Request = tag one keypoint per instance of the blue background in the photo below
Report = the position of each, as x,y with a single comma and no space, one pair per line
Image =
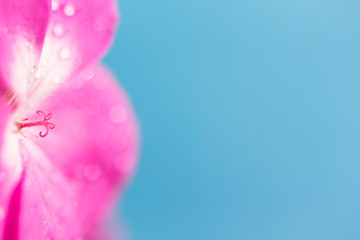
250,117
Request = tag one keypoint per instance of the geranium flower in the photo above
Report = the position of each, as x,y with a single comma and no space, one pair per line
68,136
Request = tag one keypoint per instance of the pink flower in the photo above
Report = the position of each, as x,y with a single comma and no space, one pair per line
68,134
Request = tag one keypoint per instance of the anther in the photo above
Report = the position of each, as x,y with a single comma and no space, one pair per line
45,122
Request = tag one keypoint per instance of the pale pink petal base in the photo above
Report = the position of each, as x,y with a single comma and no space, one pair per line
74,174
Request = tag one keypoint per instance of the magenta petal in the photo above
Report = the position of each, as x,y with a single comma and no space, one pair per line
11,222
4,76
26,19
80,32
83,29
73,175
88,25
8,183
23,25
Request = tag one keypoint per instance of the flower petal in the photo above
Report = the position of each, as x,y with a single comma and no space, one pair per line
9,181
23,25
86,27
25,19
80,32
74,173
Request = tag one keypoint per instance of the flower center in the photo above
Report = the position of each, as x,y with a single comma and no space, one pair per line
45,122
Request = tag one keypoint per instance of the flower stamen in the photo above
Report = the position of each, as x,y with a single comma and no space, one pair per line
45,122
11,99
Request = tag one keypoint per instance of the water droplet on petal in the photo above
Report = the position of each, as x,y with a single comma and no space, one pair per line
54,5
33,68
118,114
69,10
58,30
64,53
87,73
57,79
39,73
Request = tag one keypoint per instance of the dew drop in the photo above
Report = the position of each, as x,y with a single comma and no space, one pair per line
54,5
58,30
39,73
64,53
57,79
87,73
33,69
117,114
69,10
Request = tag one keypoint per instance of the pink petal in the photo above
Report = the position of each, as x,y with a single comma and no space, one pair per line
25,19
80,32
86,27
8,181
11,223
74,174
23,25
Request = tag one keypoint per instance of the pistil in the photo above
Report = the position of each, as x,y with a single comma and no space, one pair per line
45,122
